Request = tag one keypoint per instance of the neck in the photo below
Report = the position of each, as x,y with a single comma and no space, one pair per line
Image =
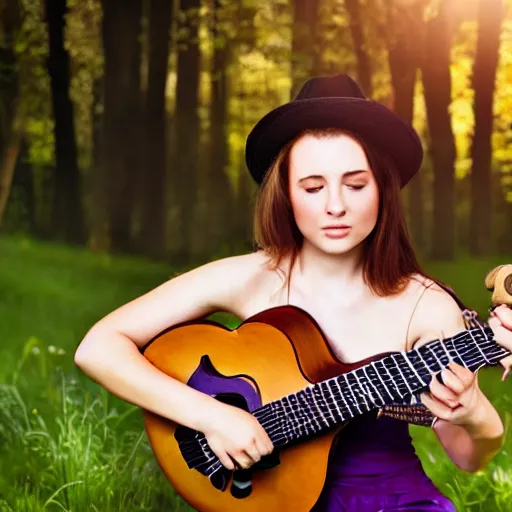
319,267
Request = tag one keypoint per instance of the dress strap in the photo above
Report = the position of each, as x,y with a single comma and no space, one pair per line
425,288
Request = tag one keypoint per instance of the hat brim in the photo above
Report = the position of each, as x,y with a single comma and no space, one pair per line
375,123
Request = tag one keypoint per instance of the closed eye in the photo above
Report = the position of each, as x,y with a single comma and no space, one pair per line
356,187
313,190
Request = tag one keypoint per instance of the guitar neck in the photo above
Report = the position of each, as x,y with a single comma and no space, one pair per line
394,378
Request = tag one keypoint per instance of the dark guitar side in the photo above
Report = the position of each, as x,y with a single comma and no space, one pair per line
284,350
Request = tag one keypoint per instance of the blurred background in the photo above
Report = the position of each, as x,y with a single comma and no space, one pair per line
122,132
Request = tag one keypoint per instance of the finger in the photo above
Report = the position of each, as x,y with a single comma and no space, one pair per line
263,447
502,335
437,408
443,393
243,460
504,313
494,322
253,452
269,444
507,364
463,374
225,460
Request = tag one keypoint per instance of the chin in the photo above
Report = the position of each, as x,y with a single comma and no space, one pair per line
341,246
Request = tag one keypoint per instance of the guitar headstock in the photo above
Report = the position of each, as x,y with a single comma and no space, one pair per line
499,281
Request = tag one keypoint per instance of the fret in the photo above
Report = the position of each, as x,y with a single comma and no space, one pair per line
366,370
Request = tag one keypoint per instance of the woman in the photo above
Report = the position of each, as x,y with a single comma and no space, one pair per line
332,241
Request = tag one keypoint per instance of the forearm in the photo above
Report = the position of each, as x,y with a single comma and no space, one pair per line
114,362
473,445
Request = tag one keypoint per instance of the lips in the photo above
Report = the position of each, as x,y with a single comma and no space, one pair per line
336,231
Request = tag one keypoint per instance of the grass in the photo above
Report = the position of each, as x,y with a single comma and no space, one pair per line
66,444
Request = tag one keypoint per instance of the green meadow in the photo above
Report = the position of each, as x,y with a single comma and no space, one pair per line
67,445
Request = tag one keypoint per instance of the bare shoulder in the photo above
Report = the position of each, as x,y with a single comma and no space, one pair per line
436,315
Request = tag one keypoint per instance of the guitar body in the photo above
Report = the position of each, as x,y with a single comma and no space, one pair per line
279,351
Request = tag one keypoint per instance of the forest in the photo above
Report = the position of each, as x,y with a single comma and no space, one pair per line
122,134
123,124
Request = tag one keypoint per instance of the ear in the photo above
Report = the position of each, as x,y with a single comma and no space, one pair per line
491,277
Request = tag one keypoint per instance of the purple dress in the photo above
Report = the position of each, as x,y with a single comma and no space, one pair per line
374,468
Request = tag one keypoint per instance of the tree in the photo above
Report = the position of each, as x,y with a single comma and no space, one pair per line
154,177
219,191
11,119
121,133
304,32
490,13
185,168
404,36
364,72
437,89
68,217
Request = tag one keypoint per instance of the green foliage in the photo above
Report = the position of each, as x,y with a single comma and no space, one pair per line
32,51
79,453
84,44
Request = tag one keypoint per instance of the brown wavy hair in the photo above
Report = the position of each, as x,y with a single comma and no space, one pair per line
388,257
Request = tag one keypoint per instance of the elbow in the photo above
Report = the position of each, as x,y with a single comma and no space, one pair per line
86,355
472,467
480,461
82,357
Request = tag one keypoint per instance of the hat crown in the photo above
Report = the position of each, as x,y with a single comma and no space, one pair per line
336,86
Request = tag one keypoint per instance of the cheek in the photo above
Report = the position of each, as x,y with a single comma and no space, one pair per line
303,210
369,207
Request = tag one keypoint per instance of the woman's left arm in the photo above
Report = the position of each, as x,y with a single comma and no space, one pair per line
467,425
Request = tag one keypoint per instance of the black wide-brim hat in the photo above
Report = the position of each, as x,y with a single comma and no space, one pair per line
337,102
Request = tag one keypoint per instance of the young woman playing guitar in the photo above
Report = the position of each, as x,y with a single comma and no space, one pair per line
332,241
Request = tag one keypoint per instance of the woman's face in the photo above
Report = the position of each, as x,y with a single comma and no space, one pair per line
333,192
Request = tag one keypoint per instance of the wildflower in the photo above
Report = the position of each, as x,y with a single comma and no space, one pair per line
35,350
52,349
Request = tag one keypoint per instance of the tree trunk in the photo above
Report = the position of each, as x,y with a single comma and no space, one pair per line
219,191
437,87
8,164
10,101
490,15
187,123
10,21
99,238
405,33
303,59
121,136
154,180
364,72
68,215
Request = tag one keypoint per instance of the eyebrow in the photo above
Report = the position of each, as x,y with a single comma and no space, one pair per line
319,176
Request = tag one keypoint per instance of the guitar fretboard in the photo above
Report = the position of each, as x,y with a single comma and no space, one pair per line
394,378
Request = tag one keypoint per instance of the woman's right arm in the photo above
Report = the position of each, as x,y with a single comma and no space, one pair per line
109,354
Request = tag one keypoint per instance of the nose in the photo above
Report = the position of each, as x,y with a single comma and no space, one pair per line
335,204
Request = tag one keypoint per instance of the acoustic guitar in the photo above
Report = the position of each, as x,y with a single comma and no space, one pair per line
278,366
